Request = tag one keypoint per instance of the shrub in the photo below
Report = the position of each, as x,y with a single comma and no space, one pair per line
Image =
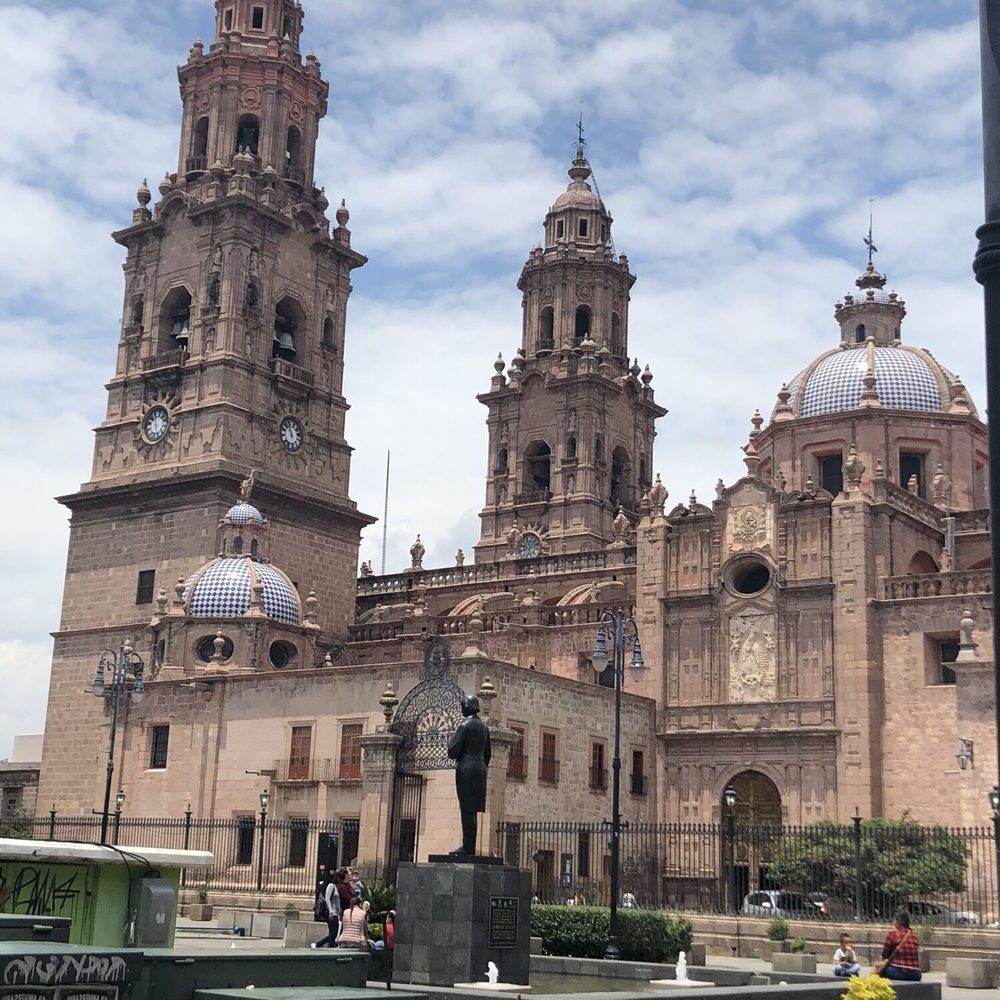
778,930
381,896
201,894
17,825
375,932
869,988
798,945
582,932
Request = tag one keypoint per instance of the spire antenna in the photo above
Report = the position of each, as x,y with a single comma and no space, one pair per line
869,240
581,141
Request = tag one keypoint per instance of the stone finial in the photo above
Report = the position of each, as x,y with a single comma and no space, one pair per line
475,629
499,365
621,525
879,470
328,660
389,703
658,497
144,196
459,558
720,490
854,468
967,644
417,553
420,604
166,185
161,602
127,647
257,598
913,485
783,409
959,397
693,501
758,421
752,459
635,371
312,603
645,504
179,592
343,215
941,488
810,486
219,644
197,50
487,694
647,377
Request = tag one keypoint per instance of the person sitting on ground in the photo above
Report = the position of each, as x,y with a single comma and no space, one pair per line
900,958
845,962
354,926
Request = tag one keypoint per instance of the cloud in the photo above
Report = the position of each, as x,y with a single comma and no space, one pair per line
735,145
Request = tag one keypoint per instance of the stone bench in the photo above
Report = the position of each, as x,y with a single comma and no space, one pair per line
790,961
972,973
302,933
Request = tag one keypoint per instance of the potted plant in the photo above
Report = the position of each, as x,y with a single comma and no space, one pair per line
202,909
794,960
291,913
925,934
778,933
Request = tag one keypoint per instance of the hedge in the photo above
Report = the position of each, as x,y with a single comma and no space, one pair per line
582,932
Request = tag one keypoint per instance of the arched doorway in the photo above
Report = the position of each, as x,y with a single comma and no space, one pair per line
752,827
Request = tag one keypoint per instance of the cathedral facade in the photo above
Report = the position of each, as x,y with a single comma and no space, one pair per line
815,636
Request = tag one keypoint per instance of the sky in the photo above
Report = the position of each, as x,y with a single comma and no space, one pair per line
737,146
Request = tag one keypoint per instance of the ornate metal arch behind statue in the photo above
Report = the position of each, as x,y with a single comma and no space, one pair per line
430,713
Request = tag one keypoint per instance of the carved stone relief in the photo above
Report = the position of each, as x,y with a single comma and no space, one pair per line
752,659
747,528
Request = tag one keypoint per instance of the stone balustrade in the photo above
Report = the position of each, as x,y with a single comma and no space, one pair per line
906,588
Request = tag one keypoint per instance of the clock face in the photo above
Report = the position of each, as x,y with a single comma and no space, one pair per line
155,424
292,435
531,546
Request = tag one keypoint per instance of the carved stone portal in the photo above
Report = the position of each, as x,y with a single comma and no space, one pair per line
752,666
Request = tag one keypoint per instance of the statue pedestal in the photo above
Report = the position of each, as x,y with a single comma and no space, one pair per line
455,917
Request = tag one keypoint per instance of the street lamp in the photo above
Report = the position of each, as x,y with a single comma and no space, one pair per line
729,797
119,802
265,798
120,667
621,630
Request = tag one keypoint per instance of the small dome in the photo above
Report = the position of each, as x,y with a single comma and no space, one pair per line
245,513
223,589
906,378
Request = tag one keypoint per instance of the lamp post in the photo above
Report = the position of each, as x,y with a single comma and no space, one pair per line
987,269
729,797
120,666
265,798
622,630
994,797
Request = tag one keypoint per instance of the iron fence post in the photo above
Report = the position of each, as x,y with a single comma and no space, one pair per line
52,822
857,863
260,854
187,841
731,839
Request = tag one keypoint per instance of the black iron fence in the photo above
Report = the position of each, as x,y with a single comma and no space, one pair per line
252,853
863,870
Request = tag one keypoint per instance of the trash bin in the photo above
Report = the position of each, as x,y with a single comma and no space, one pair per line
25,927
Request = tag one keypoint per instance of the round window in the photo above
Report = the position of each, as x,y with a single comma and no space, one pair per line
280,654
750,578
206,649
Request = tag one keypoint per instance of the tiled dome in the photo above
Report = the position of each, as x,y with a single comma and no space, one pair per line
245,513
906,378
223,589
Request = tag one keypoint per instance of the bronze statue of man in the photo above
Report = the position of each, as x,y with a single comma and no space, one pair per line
470,747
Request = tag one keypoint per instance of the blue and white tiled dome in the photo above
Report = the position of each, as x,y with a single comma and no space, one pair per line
245,513
224,587
905,379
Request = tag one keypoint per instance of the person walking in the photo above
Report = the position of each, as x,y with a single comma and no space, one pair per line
900,957
332,909
354,926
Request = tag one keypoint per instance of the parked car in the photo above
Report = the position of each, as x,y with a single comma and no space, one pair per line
925,911
777,903
834,907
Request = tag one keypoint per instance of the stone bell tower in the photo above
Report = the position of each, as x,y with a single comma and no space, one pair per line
230,358
571,423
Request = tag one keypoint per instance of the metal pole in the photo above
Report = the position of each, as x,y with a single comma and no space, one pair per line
118,824
116,688
857,863
611,950
52,822
731,837
187,840
260,854
987,269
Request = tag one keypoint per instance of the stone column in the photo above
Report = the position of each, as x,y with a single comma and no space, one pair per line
501,740
377,787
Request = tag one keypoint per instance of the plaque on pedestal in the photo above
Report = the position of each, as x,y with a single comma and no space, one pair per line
455,917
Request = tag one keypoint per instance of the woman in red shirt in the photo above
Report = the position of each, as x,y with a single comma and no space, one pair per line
899,952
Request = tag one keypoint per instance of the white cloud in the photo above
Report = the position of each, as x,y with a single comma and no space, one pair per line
736,147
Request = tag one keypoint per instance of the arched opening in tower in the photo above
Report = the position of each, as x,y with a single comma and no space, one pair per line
582,330
199,141
546,330
620,472
175,320
616,335
537,467
289,320
293,153
248,134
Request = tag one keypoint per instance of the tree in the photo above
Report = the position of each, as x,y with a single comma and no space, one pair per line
900,860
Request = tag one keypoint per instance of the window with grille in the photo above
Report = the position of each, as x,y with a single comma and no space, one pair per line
512,844
299,751
583,853
517,764
244,840
598,772
548,764
144,586
638,775
351,835
948,649
158,744
350,751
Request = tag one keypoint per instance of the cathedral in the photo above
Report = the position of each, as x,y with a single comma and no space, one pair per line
815,636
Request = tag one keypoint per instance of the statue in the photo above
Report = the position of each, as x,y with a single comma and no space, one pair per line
366,569
246,487
492,974
417,552
470,747
459,558
854,469
514,537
